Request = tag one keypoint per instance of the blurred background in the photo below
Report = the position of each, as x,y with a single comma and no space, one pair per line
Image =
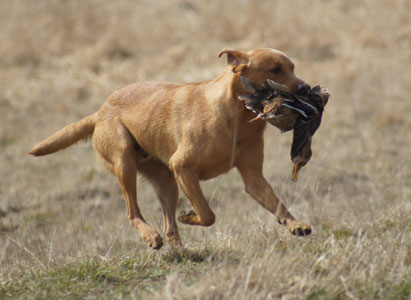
60,60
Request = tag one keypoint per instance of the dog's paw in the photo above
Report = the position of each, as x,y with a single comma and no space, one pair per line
155,242
188,217
173,239
303,230
191,218
153,239
296,227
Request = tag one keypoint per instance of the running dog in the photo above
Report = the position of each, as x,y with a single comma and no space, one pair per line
181,134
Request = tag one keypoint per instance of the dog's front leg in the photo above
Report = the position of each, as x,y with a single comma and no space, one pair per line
250,166
189,183
260,190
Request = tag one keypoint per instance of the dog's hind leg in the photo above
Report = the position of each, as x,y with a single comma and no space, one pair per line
115,146
166,188
189,182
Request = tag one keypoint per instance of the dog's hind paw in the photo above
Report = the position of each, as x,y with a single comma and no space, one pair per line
188,217
191,218
156,242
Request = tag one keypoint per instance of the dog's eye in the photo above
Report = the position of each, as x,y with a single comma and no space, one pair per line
276,70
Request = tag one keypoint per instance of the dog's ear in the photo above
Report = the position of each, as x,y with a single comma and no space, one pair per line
237,59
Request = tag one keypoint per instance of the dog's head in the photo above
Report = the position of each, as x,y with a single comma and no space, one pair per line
257,65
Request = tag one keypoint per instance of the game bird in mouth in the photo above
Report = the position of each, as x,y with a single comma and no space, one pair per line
302,114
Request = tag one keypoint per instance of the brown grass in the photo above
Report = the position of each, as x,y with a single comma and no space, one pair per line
60,214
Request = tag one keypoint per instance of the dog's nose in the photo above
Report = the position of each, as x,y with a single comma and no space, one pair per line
303,89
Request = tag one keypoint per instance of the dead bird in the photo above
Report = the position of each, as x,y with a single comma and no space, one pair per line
302,114
305,127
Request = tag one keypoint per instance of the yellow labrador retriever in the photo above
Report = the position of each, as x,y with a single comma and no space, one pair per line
181,134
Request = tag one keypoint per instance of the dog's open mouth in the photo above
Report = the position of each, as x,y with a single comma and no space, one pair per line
302,114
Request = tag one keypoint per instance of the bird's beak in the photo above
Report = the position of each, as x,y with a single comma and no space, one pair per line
294,173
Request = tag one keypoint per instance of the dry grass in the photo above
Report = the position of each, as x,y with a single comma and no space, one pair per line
63,230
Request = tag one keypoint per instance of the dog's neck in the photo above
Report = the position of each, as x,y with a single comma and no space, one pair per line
222,95
224,90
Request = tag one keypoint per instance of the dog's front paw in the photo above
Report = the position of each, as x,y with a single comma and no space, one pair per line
296,227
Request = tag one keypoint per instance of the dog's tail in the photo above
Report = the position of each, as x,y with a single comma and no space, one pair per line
81,130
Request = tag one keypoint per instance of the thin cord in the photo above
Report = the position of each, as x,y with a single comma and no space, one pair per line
112,244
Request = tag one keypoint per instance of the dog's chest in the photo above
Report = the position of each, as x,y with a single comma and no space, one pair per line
219,156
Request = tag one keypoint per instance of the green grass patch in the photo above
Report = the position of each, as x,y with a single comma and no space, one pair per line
323,294
116,278
403,289
342,233
91,277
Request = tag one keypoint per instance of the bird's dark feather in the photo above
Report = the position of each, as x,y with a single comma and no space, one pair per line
309,107
301,137
305,127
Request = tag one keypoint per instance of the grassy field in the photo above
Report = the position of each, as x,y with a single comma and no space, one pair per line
63,227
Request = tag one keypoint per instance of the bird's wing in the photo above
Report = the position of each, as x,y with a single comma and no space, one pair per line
250,87
304,108
261,95
314,124
254,102
301,136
